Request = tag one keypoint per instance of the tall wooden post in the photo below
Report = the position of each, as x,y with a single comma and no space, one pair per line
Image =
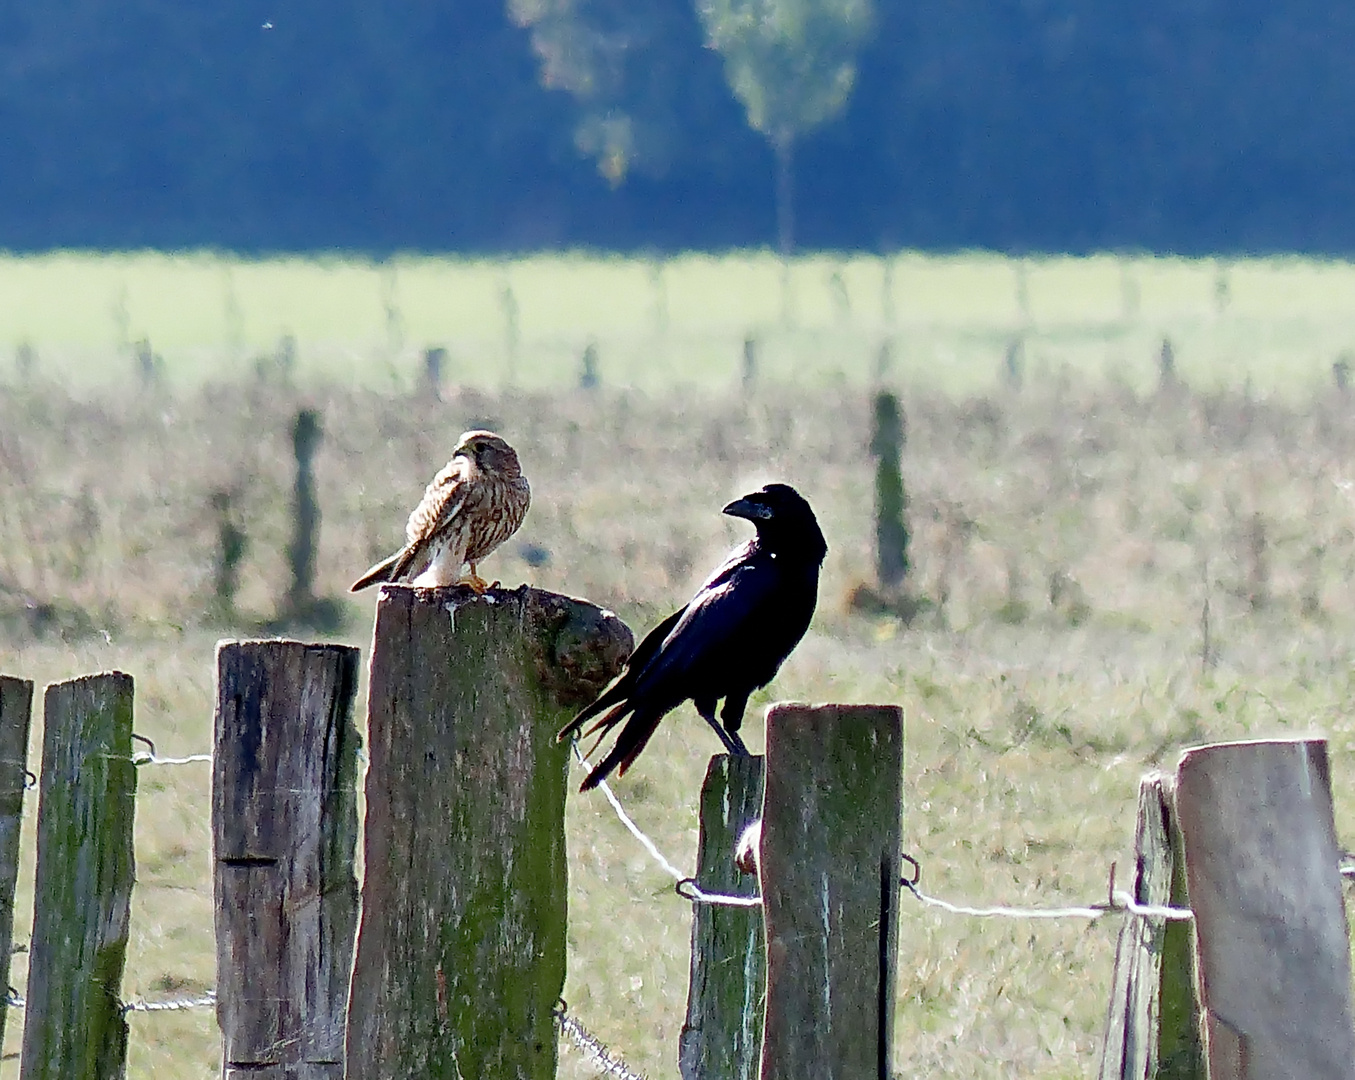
284,838
461,948
829,870
722,1036
16,711
1151,1023
73,1023
1270,922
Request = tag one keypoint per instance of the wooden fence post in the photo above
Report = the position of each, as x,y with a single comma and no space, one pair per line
461,948
1270,926
829,870
73,1020
284,839
722,1036
16,711
1151,1025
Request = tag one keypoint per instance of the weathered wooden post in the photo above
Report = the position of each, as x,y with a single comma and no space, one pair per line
722,1036
284,839
16,711
1270,925
461,948
1151,1025
73,1019
829,871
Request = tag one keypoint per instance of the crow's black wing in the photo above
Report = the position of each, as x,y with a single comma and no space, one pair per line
737,605
702,646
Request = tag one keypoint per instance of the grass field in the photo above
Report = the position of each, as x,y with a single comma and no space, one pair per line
1068,534
681,321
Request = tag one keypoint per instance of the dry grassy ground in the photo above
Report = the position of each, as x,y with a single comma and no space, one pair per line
1068,535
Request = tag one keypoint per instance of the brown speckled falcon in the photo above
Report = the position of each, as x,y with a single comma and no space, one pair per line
472,506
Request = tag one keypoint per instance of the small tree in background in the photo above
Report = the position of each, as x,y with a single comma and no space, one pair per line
792,64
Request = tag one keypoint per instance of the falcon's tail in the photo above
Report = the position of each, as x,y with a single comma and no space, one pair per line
386,570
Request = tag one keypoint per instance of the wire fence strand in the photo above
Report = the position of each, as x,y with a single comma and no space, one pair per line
686,886
635,830
598,1053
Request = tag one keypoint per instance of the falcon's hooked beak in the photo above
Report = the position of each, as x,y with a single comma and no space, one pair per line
747,509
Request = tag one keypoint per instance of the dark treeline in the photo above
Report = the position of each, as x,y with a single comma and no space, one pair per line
1172,125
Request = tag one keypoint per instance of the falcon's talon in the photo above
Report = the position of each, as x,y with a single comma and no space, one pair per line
475,583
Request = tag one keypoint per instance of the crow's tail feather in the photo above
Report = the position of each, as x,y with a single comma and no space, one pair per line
633,738
605,700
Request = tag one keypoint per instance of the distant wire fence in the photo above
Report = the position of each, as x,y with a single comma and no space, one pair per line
286,751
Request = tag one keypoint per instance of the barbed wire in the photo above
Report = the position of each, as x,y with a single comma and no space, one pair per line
598,1053
15,1000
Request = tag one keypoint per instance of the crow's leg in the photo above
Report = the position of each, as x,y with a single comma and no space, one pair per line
731,739
732,715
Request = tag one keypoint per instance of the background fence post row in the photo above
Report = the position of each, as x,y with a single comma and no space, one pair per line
284,838
722,1036
461,949
829,871
1262,869
1152,1024
73,1020
16,712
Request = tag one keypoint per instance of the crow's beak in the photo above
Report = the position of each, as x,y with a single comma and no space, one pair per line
745,508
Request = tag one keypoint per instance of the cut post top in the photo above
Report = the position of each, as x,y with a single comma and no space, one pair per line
579,647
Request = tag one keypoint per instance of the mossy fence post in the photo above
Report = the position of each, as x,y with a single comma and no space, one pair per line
16,711
74,1028
722,1035
461,947
284,839
828,866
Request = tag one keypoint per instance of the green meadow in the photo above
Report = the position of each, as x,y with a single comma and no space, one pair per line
659,323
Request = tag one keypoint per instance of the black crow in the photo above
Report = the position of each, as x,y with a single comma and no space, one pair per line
728,641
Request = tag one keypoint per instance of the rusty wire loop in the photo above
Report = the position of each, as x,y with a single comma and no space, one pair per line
152,758
688,889
599,1054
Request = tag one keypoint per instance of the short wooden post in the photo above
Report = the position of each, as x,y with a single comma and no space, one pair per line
73,1019
461,948
284,838
16,711
1151,1023
722,1036
1270,926
829,870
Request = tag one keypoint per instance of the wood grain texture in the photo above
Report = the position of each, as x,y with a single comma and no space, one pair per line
284,838
722,1036
1143,1007
1261,867
16,713
461,949
829,869
73,1023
